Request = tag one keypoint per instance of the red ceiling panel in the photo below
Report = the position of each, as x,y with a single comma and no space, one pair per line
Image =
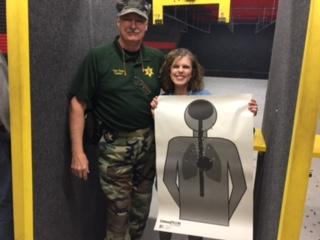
249,10
3,42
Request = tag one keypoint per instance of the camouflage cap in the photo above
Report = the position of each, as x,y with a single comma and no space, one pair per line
140,7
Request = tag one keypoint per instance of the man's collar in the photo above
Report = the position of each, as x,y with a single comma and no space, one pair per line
119,49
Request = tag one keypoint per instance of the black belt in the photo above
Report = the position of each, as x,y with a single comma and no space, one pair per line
136,133
110,136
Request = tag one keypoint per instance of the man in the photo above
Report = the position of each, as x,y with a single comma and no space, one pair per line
6,216
116,83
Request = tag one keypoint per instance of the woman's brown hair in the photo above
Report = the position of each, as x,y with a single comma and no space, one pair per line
196,81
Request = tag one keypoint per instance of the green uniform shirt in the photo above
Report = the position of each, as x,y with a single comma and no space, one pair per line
118,86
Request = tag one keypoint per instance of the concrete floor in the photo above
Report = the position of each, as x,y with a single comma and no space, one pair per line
228,86
311,224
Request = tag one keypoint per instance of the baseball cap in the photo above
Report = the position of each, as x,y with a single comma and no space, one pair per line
140,7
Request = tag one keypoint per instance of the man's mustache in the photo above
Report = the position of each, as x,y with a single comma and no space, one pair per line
135,30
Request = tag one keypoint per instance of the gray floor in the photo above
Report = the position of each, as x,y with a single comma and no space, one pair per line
311,225
229,86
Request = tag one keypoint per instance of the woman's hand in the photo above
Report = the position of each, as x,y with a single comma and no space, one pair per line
253,106
154,103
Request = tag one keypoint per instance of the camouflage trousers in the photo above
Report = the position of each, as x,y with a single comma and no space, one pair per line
127,168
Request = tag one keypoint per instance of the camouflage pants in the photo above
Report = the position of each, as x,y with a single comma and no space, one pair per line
127,169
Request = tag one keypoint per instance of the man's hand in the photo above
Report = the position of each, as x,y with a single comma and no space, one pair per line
80,165
79,162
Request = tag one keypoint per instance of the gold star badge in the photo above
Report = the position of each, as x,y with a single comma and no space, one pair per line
148,71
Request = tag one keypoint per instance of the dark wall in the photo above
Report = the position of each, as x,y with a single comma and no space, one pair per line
278,116
3,26
168,32
61,32
241,52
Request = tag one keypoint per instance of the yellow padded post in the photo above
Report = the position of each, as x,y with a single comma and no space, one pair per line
20,117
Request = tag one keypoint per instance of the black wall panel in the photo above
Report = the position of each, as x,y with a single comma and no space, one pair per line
3,27
238,52
61,32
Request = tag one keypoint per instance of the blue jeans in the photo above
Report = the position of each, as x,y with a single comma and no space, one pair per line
6,216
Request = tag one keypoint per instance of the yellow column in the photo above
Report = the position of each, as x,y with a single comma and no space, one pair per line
20,114
303,132
157,14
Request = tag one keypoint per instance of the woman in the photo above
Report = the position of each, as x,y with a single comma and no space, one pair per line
182,74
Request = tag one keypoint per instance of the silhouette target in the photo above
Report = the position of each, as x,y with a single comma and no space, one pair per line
198,168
